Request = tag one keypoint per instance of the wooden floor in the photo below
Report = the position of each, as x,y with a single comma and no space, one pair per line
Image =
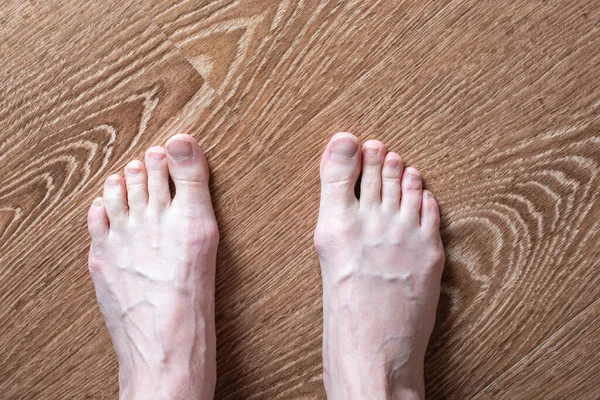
496,102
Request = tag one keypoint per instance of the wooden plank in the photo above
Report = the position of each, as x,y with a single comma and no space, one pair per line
481,396
561,367
496,102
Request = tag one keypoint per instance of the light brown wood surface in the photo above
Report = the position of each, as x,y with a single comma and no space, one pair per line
497,103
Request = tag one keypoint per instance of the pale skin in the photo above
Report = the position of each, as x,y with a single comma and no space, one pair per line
152,260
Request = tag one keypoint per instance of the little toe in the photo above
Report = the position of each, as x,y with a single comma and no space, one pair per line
391,178
115,200
373,154
430,213
412,187
189,171
157,170
97,221
340,168
137,186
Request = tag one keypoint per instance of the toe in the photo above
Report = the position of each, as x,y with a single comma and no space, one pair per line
430,213
373,154
97,221
159,195
189,171
391,174
340,168
137,186
115,200
412,187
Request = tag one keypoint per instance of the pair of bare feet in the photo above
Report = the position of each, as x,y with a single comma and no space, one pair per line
152,260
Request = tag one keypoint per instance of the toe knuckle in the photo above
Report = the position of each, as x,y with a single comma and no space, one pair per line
204,235
96,267
437,259
211,233
332,235
320,239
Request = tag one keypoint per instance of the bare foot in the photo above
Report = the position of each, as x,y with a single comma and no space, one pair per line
152,260
381,260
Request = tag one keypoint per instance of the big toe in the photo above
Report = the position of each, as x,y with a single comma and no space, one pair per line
189,170
340,168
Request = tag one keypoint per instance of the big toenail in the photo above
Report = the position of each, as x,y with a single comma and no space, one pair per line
371,150
156,155
343,148
392,163
414,175
180,150
113,180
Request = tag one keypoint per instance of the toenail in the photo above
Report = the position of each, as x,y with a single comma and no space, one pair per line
113,180
392,163
414,175
427,194
97,202
371,150
343,148
156,155
180,150
133,170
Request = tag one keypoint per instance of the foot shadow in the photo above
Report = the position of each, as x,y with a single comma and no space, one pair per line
231,369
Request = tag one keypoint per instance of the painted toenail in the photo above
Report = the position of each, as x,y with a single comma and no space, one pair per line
392,163
371,150
414,175
133,170
180,150
343,148
156,155
97,202
113,180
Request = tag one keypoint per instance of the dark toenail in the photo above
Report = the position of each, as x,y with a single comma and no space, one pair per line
343,148
371,150
113,180
180,150
392,163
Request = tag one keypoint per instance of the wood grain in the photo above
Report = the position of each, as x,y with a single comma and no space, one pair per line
561,367
497,103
